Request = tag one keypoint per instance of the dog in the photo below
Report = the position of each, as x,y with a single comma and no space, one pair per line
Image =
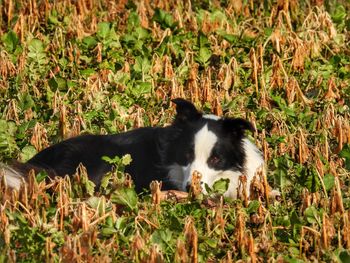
212,146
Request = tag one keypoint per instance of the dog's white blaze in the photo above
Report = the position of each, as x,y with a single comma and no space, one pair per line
204,142
13,178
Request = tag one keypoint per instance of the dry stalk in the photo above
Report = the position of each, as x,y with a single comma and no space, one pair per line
240,231
225,77
339,132
191,236
254,62
336,203
277,73
155,255
168,68
332,92
12,111
242,190
193,83
265,146
138,245
181,254
195,188
256,189
219,217
346,230
327,231
63,125
251,249
303,148
155,187
143,13
39,138
148,222
207,94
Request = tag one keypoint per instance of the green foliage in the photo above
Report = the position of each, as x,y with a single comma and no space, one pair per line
126,197
165,19
345,153
8,144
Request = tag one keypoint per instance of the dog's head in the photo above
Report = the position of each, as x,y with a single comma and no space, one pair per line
213,146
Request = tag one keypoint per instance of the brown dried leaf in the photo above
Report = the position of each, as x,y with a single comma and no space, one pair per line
39,138
155,187
195,188
181,254
191,236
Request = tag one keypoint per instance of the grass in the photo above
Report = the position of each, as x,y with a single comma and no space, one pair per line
73,67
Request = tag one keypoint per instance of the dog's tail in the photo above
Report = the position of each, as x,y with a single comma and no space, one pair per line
16,173
13,175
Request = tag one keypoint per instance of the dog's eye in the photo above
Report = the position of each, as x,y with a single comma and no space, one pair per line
214,160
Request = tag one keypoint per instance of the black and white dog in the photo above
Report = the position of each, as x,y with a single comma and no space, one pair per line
215,147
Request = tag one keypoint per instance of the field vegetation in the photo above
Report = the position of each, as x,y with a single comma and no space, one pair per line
75,67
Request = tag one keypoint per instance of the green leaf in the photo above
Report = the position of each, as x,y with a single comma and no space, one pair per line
28,152
142,65
162,238
10,41
103,29
212,243
41,176
133,20
345,153
58,83
90,42
126,197
53,19
221,186
310,179
339,15
84,187
7,141
108,231
26,101
165,19
312,215
344,256
141,88
114,160
105,182
292,260
230,38
294,218
328,181
253,206
203,56
36,51
87,72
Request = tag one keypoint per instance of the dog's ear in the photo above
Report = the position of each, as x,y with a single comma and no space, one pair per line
185,110
237,126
